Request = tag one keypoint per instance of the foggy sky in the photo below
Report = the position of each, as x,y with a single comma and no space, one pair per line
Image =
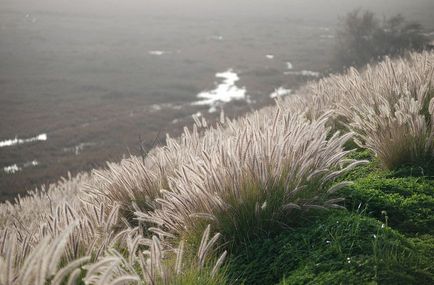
218,8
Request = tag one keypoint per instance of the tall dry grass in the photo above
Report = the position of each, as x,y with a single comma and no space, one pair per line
125,223
388,106
264,165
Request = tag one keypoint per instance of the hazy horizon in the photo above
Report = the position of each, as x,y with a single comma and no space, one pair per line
213,8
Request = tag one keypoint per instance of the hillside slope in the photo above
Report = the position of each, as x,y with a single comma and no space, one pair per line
332,186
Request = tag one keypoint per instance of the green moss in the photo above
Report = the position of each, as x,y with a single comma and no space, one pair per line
309,275
408,202
421,169
335,247
405,196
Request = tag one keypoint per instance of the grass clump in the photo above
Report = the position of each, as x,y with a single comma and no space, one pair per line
255,179
333,247
392,116
195,276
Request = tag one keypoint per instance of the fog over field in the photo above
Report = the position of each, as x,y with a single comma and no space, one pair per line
86,81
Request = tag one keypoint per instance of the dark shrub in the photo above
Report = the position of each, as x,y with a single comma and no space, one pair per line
362,38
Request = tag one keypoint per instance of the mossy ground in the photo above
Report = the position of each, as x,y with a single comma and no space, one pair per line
385,236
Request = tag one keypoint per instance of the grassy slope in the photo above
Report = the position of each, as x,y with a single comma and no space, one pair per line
385,236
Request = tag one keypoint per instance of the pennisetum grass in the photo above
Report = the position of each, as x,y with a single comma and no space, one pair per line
147,221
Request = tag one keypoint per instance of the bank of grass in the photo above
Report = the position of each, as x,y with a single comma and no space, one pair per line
385,236
265,191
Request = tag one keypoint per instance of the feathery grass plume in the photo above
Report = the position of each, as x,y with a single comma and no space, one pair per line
24,211
153,261
44,215
42,263
130,184
387,106
246,178
135,183
90,233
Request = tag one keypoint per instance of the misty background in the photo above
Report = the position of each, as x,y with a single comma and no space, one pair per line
86,81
